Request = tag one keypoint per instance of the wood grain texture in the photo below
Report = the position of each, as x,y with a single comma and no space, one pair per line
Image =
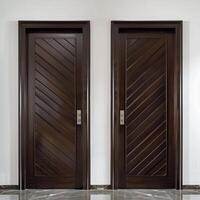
146,149
145,107
54,76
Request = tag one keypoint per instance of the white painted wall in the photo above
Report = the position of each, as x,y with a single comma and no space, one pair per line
100,12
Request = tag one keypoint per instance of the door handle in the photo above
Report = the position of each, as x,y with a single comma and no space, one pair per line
121,113
78,117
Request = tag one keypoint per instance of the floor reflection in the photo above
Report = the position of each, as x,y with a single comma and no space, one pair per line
100,195
191,197
9,197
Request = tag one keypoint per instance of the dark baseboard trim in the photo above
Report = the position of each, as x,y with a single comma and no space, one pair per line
191,187
100,187
9,187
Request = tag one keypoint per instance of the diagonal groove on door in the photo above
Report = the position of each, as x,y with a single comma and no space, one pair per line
147,120
59,152
57,83
55,53
156,165
65,128
147,57
138,144
59,49
49,155
56,95
57,135
147,148
156,151
163,151
146,71
146,100
58,73
70,41
57,68
49,84
155,83
143,130
56,112
137,86
42,51
64,110
146,110
65,45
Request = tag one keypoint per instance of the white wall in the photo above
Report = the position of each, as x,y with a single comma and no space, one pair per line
100,12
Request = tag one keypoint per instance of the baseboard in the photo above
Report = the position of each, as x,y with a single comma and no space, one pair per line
191,187
9,187
100,187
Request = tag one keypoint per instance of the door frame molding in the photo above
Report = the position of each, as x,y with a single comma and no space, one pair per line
177,27
24,27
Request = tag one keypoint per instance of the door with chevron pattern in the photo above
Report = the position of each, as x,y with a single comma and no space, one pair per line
145,137
57,108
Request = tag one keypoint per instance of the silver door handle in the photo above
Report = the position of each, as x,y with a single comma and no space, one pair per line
121,113
78,117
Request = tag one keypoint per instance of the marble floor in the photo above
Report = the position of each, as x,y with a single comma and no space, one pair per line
100,195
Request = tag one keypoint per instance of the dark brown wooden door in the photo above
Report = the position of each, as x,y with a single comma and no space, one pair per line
56,102
145,108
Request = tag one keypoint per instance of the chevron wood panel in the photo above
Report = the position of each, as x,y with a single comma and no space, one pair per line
145,107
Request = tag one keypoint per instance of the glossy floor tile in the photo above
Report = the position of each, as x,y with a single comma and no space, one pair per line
100,195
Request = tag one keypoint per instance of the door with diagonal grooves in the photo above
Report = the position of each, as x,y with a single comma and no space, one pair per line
56,77
145,72
144,100
52,108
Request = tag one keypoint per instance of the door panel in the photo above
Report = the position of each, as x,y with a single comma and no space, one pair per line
144,80
52,126
56,89
146,148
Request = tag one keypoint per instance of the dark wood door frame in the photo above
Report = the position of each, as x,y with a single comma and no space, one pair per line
117,26
54,26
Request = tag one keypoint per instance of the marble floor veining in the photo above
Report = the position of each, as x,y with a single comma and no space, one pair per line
100,195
